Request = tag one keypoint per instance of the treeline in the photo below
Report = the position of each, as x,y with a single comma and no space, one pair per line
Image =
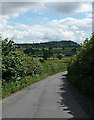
81,68
54,44
20,70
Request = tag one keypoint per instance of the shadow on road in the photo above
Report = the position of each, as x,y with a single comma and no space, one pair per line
71,99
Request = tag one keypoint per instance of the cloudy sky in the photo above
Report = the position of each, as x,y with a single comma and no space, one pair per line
28,22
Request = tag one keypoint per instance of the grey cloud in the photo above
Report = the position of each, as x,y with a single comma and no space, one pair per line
10,8
67,8
13,7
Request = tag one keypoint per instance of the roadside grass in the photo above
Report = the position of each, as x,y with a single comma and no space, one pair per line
50,67
18,85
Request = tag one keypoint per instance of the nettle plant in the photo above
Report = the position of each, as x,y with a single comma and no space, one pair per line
11,64
16,64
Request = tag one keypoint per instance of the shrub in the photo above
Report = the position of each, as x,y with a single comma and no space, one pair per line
59,56
11,64
42,60
80,68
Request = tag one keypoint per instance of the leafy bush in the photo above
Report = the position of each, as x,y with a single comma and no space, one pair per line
37,67
59,56
11,64
20,70
80,68
47,54
41,60
16,64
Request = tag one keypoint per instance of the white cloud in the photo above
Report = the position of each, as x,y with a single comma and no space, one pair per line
74,27
64,29
89,15
68,23
46,19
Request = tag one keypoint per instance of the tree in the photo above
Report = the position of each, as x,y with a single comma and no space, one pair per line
59,56
29,51
46,54
43,49
74,50
50,48
63,48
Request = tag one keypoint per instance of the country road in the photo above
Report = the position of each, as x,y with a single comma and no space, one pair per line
49,98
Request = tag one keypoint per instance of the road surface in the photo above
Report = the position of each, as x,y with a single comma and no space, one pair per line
49,98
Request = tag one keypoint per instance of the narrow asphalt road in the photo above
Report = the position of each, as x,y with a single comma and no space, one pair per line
49,98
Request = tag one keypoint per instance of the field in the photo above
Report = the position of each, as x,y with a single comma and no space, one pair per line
39,51
66,48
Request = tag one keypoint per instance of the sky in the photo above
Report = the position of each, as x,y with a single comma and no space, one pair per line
28,22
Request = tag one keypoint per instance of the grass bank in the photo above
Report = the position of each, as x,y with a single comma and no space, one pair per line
40,71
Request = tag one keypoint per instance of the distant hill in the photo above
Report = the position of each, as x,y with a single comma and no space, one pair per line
37,49
53,44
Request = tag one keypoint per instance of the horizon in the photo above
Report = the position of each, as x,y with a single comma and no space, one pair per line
49,42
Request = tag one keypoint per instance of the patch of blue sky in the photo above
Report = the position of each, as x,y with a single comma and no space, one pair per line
21,19
30,18
80,15
88,34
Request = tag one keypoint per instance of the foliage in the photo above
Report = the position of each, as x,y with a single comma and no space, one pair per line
0,66
16,64
59,56
20,70
74,50
52,44
11,64
29,51
50,48
41,60
47,54
80,68
55,47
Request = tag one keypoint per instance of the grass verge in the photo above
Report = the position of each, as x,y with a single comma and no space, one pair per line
50,67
